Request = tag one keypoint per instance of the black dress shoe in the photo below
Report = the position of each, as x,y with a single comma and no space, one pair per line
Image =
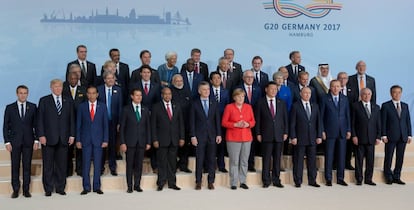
210,186
114,173
277,184
359,183
223,170
342,182
159,188
297,185
282,170
266,185
198,186
370,183
244,186
138,189
84,192
314,184
399,181
233,187
251,170
186,170
99,191
350,167
389,181
48,194
329,183
27,194
61,192
15,194
174,187
129,190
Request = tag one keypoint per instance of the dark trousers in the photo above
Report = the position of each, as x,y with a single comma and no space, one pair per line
111,149
89,153
167,161
350,149
23,154
339,153
182,154
399,147
76,153
271,150
299,152
205,153
134,159
220,152
54,167
367,152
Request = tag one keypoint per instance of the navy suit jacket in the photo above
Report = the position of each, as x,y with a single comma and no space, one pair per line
16,130
366,129
264,80
271,128
116,101
353,88
393,127
88,132
136,76
197,78
223,100
305,130
154,93
132,132
56,128
294,89
256,94
292,77
90,78
205,128
202,71
336,120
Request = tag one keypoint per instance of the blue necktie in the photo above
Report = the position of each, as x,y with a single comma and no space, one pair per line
336,101
22,110
108,103
205,106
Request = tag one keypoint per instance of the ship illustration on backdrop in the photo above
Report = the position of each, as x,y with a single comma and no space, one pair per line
132,18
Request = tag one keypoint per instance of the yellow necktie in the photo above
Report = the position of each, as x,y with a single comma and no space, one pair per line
72,90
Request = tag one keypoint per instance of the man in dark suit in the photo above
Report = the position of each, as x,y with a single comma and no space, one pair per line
260,78
88,69
303,81
199,67
121,72
135,135
235,68
77,94
111,95
359,81
335,114
191,78
366,133
222,97
167,129
229,79
91,136
396,133
305,131
271,130
253,94
19,138
205,132
294,67
56,131
145,56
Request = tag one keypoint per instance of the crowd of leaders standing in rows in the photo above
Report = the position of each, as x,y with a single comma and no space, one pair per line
169,114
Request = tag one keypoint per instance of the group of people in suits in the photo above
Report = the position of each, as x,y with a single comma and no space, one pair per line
168,114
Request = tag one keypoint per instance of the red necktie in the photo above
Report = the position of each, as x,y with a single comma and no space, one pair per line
249,94
146,89
92,112
196,68
169,111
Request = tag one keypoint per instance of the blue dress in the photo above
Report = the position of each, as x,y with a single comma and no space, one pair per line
285,95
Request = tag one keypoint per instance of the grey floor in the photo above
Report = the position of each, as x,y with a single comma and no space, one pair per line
353,197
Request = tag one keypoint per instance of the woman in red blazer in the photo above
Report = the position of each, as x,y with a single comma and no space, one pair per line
238,119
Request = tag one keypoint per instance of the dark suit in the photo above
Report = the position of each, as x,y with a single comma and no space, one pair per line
224,99
20,133
172,132
80,96
353,88
306,131
91,134
294,77
154,93
90,77
295,90
336,124
205,128
203,70
57,129
122,79
197,78
263,78
272,130
136,76
397,130
135,135
113,119
367,130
